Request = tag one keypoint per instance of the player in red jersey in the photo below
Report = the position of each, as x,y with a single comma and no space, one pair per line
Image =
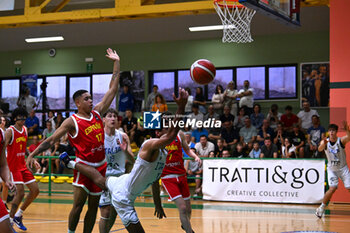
86,134
174,180
16,143
5,225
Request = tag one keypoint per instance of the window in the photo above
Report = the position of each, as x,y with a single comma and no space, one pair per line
77,83
100,85
185,81
166,83
222,77
282,82
256,78
56,92
10,92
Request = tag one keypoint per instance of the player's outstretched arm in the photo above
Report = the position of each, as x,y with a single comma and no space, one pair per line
187,149
322,145
66,127
345,139
113,85
159,211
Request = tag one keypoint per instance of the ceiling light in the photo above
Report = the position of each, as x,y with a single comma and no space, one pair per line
44,39
209,28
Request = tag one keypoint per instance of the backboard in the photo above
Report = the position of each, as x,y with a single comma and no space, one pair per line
285,11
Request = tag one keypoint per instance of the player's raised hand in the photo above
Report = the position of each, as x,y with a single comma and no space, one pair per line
112,54
346,126
181,100
124,144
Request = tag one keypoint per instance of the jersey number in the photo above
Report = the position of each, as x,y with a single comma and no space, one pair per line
99,137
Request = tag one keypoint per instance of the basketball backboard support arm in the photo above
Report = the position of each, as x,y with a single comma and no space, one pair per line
262,6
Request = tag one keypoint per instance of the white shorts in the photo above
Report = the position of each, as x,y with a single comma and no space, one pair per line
334,176
106,198
121,200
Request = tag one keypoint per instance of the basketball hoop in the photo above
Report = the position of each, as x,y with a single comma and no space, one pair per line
236,20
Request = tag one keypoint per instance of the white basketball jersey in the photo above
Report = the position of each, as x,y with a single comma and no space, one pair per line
144,174
336,155
114,155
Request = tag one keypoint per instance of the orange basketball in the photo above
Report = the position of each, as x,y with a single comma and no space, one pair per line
203,71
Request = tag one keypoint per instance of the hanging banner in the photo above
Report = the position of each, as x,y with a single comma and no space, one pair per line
30,81
251,180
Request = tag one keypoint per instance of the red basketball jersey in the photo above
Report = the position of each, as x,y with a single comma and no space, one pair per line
174,162
16,149
89,139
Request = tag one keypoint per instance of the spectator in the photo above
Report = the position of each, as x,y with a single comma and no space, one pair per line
214,132
280,136
203,147
32,147
298,140
274,116
49,130
194,169
227,116
188,107
189,143
256,151
226,154
239,120
129,125
264,132
230,135
159,104
288,119
200,100
3,123
218,99
248,134
257,117
196,114
141,132
25,100
118,125
32,123
305,116
51,118
219,148
211,113
151,97
288,149
269,150
197,133
126,101
315,134
324,76
247,99
240,152
230,97
58,120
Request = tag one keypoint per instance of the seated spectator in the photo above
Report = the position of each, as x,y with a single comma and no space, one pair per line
257,117
197,133
196,114
49,130
129,125
126,101
227,116
59,120
229,135
288,119
141,133
230,97
219,148
51,118
203,147
269,150
305,116
118,125
199,99
240,151
247,134
214,133
288,149
159,104
274,116
315,134
256,151
218,99
32,124
226,154
239,119
211,114
188,107
280,136
189,143
265,132
298,140
194,169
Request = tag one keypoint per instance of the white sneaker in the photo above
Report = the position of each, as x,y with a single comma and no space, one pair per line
319,211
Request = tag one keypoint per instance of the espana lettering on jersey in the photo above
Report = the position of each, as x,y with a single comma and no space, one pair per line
20,139
93,127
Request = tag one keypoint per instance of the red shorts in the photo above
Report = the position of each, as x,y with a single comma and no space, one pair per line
90,187
177,187
22,177
3,212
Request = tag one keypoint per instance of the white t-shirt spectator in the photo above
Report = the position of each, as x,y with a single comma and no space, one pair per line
204,151
28,102
247,100
198,117
188,107
306,118
290,150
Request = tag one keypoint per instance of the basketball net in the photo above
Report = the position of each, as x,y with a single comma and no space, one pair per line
236,20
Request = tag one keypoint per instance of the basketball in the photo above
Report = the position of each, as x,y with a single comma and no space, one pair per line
203,71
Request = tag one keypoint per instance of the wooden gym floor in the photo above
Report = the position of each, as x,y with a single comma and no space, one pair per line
50,214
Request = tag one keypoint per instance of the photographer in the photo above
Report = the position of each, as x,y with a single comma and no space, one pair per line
25,100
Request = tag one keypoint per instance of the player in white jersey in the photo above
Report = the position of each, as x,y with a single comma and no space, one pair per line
337,167
147,169
116,154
